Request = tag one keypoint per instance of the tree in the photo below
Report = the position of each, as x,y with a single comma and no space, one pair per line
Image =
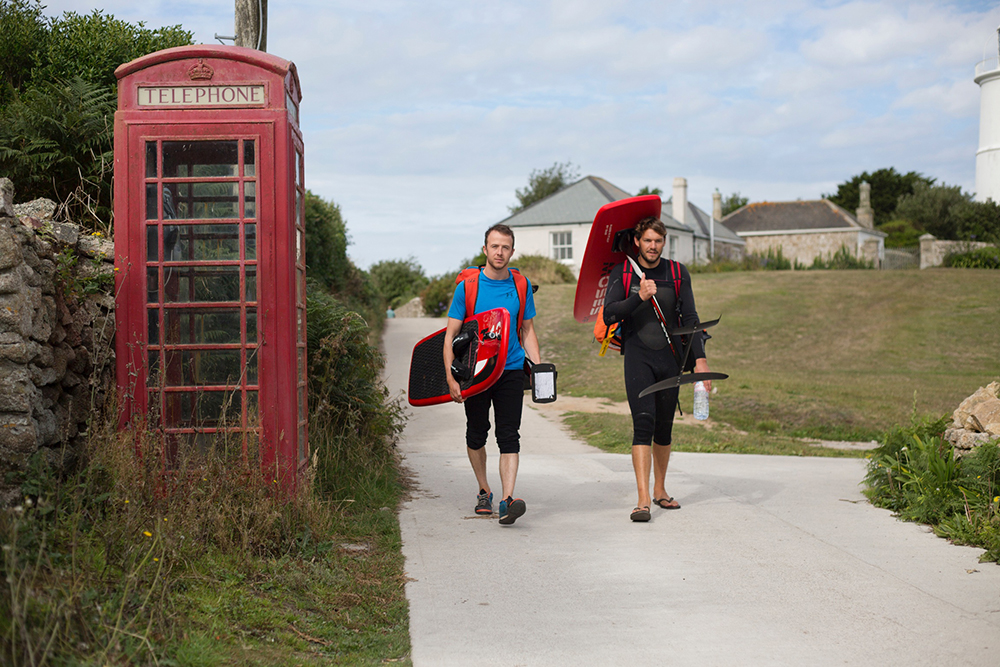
931,208
977,221
326,243
646,190
57,102
733,202
544,182
398,280
888,186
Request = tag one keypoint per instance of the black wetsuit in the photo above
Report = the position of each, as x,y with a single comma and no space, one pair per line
648,357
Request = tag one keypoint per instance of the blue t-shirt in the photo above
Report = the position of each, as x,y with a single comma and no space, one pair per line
498,294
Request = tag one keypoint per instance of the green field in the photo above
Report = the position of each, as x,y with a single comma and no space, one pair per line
839,355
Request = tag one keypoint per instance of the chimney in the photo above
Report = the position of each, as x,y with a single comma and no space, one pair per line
866,214
717,205
680,199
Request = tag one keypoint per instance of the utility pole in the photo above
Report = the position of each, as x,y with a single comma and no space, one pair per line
251,24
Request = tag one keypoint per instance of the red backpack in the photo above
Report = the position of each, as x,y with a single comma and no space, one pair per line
470,276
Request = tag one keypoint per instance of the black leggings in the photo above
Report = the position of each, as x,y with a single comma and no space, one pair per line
507,397
653,414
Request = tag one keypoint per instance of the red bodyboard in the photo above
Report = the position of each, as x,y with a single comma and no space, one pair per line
486,356
600,256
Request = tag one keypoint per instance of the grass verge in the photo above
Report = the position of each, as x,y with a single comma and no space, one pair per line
831,355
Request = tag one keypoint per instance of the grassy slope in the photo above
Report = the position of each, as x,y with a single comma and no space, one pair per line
828,354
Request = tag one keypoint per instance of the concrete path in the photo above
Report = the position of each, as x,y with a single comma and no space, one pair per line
771,561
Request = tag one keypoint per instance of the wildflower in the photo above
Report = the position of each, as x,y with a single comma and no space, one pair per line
164,518
147,533
126,501
997,499
117,269
156,560
27,502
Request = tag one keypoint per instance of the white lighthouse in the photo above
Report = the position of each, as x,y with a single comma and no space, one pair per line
988,155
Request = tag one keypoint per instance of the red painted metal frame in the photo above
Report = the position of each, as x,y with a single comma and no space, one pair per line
280,252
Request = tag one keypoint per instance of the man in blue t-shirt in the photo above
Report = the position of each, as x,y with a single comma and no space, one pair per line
496,290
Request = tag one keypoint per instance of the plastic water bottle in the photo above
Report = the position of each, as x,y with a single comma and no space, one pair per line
700,401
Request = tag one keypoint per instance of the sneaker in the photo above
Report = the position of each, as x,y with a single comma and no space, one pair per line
484,503
511,509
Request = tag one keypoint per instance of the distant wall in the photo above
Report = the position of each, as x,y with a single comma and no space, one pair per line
933,251
56,331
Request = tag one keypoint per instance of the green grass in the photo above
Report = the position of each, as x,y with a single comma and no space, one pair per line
836,355
613,433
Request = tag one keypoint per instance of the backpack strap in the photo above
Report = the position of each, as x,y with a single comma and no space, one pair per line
469,277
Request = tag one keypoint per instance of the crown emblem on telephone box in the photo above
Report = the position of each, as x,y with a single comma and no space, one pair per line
201,71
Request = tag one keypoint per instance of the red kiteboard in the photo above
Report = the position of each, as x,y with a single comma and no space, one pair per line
485,357
605,249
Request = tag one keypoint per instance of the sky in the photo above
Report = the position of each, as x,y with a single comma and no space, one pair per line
421,119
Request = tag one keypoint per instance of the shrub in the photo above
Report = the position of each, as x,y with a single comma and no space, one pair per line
398,280
978,258
773,260
842,259
544,270
353,422
914,473
437,295
902,234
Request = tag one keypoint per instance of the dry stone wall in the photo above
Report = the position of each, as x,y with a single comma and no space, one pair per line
56,333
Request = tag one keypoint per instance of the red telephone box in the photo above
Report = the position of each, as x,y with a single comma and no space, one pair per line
210,251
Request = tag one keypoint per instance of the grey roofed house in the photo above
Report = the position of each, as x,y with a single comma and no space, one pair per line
728,245
805,230
559,225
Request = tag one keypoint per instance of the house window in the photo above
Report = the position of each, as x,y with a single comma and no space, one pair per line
673,247
562,245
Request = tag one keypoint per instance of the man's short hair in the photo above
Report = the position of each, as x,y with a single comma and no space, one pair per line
501,228
650,223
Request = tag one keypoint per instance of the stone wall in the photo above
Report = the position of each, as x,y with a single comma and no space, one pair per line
933,251
803,247
56,333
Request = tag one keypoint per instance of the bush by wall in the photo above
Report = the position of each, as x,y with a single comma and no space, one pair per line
914,473
977,258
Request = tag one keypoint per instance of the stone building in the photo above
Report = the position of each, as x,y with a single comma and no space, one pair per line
805,230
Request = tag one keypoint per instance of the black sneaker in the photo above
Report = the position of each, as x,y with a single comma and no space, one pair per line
511,509
484,503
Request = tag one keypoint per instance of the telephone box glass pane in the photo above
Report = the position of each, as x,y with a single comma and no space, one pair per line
250,199
203,367
186,159
154,368
251,367
251,283
150,159
252,405
152,212
206,243
152,246
251,325
153,318
202,408
186,284
203,201
152,285
249,163
251,241
209,326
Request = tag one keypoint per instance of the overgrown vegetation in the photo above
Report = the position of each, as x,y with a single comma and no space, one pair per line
398,280
915,474
57,102
977,258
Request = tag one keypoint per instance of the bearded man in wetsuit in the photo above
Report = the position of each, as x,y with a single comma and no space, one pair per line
649,357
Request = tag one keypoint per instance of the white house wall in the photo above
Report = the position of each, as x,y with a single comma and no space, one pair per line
537,240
